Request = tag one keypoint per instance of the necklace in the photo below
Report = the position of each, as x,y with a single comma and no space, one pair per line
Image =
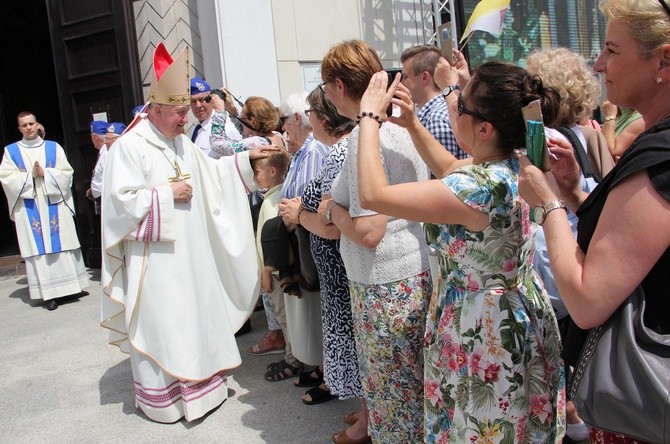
178,175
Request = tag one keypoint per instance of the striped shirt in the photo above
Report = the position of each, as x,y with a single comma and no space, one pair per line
305,165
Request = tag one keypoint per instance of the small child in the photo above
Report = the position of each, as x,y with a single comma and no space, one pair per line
269,173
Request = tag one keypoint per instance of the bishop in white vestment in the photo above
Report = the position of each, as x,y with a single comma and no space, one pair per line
180,272
37,180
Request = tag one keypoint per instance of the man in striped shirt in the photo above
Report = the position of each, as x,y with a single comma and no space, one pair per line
307,158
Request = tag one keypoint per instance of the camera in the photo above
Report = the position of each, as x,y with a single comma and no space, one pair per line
218,92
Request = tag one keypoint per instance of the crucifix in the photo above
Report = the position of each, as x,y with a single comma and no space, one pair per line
178,175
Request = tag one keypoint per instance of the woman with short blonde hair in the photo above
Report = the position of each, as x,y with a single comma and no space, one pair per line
622,252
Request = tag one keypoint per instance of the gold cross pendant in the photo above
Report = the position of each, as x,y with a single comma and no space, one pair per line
179,176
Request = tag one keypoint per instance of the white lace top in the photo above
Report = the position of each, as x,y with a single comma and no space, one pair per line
403,252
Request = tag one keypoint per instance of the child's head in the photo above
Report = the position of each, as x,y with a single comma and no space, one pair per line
270,171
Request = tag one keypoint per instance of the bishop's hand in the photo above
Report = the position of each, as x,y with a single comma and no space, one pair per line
181,191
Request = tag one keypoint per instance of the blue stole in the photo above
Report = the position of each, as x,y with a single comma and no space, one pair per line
31,206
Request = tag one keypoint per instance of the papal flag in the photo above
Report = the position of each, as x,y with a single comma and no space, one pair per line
488,16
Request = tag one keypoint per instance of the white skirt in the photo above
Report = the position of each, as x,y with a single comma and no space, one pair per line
55,275
166,399
305,330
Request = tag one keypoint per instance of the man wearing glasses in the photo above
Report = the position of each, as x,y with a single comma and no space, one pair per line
202,109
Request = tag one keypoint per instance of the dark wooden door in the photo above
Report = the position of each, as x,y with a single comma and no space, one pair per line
97,69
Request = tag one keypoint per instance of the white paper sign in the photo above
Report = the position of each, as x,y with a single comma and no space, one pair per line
100,116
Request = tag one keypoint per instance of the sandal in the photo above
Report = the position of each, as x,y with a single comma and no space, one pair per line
318,396
351,418
282,372
267,347
343,438
307,380
273,365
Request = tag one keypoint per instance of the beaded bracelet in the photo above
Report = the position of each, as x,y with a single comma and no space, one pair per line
371,115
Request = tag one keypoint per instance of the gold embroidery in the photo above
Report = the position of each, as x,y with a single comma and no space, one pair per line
37,227
54,224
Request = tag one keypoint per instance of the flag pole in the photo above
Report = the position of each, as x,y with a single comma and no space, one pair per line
466,41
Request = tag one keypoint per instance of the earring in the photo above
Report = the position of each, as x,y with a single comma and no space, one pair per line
659,80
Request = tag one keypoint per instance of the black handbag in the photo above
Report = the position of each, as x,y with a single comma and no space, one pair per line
622,380
308,273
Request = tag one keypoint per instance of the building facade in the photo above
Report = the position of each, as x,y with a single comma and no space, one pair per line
66,60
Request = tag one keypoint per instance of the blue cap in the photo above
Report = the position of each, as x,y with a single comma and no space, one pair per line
99,127
198,85
136,110
115,128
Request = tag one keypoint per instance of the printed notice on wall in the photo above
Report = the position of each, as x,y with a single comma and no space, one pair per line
311,75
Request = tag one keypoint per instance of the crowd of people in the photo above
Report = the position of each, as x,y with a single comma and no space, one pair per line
416,260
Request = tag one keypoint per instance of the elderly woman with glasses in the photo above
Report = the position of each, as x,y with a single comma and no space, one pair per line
492,362
259,119
622,251
339,375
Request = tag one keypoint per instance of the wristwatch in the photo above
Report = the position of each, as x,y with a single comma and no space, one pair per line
449,89
540,213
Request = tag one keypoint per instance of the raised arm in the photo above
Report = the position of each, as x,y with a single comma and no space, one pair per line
621,252
618,144
427,201
218,140
438,160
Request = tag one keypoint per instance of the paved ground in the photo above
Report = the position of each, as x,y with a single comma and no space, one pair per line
62,383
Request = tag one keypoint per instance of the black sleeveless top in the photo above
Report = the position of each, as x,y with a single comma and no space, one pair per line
650,152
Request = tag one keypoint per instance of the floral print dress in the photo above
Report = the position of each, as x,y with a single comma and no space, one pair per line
493,371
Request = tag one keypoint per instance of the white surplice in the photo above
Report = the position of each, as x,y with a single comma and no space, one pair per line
96,178
179,279
52,271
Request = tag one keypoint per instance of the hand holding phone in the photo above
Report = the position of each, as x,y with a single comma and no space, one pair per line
536,145
391,73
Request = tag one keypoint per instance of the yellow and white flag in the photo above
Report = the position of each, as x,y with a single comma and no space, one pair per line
488,16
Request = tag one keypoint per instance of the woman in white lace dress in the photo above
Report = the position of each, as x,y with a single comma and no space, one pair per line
386,261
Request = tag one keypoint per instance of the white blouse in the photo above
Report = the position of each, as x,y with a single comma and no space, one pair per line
403,252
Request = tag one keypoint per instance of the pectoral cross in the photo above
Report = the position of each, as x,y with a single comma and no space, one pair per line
178,175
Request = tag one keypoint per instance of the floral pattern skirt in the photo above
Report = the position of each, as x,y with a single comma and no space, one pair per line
389,326
493,368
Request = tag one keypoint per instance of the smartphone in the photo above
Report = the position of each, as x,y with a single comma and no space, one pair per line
444,32
391,73
536,145
219,93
